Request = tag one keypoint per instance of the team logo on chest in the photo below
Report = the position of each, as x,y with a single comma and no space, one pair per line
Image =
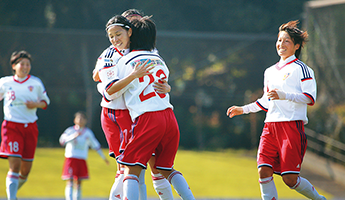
110,74
31,88
286,76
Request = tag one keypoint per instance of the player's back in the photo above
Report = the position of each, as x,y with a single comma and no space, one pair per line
141,96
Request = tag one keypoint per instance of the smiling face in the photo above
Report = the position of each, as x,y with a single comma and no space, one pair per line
22,68
119,37
285,45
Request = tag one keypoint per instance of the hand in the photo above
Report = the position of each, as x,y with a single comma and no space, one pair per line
106,161
233,111
95,76
276,94
142,69
162,86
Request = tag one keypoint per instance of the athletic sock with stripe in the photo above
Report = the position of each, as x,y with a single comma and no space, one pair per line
116,191
162,187
131,187
268,189
181,186
12,185
304,187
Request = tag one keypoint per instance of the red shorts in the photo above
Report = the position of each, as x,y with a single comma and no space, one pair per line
74,168
153,132
116,125
282,147
18,140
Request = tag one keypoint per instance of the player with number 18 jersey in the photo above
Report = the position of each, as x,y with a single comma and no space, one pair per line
17,117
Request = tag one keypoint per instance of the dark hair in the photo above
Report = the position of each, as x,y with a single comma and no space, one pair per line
132,13
19,55
297,36
81,113
143,35
118,19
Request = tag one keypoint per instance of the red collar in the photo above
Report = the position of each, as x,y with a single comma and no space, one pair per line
118,51
279,68
23,80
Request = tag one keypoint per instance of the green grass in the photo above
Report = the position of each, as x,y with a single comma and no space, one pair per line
226,174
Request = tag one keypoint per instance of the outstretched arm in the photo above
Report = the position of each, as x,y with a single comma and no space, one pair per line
233,111
100,152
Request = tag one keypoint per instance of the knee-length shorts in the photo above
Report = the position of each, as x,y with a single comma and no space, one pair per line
282,147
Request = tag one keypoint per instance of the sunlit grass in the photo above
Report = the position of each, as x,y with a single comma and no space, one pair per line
225,174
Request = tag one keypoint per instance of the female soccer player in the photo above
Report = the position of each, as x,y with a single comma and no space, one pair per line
77,139
115,119
289,87
22,95
155,128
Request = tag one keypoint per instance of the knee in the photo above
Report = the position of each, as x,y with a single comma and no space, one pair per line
69,182
265,172
135,170
290,180
166,173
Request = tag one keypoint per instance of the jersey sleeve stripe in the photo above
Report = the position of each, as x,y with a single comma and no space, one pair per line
305,79
105,98
45,107
263,108
108,65
305,71
110,53
110,84
311,98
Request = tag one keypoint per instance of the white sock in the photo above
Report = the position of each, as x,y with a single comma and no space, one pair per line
142,186
303,186
12,185
116,191
268,189
77,192
181,186
69,191
162,187
131,187
22,179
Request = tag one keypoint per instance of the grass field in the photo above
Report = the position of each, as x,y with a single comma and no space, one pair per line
226,174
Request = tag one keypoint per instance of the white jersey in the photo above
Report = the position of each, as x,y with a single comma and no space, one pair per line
140,96
78,147
15,93
105,61
291,76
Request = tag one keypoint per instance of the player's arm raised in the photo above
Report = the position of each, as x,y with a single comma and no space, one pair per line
140,70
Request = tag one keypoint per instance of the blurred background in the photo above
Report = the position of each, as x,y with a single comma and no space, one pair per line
216,51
